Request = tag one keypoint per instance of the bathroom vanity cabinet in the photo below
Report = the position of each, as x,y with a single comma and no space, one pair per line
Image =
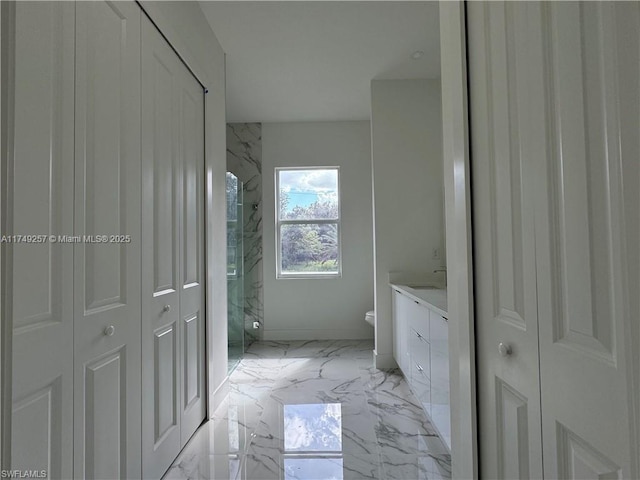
421,333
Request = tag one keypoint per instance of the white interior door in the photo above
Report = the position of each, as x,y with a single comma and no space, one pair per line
173,258
161,194
39,171
107,312
587,67
504,250
555,118
191,134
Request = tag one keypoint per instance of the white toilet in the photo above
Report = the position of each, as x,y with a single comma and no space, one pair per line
370,318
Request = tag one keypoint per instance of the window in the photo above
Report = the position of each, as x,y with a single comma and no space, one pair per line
308,222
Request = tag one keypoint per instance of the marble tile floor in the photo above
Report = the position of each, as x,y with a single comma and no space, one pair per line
314,410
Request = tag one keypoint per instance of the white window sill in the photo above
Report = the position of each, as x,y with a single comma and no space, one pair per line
307,276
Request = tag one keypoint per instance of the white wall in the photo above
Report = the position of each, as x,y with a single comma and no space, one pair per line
184,25
301,309
406,129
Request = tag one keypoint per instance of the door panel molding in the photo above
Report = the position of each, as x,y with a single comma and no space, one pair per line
45,178
105,206
578,460
192,390
583,122
506,191
513,434
165,167
165,381
106,416
38,430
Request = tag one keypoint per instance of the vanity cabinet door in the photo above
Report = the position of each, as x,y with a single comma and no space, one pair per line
402,306
440,408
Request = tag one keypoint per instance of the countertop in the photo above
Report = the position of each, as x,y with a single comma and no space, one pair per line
433,298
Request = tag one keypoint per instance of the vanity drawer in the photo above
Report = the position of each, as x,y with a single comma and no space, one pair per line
420,352
419,319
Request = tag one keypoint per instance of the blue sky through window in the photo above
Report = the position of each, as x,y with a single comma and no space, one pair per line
304,187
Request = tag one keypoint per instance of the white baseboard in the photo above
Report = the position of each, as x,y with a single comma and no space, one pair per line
363,333
384,361
219,395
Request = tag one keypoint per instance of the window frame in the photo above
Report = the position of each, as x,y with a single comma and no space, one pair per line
280,275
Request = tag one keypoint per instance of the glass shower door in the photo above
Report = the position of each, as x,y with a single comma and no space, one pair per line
235,264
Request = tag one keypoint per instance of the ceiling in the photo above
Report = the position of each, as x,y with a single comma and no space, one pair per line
314,60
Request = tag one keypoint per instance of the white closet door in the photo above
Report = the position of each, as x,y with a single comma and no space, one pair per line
587,67
40,201
161,193
191,135
504,248
107,311
569,76
172,263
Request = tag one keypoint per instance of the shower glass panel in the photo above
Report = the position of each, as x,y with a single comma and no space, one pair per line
235,264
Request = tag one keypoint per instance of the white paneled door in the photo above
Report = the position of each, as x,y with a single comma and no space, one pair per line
107,419
172,276
587,63
102,240
505,273
554,107
191,278
40,202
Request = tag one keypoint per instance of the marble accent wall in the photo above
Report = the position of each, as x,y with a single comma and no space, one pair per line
244,160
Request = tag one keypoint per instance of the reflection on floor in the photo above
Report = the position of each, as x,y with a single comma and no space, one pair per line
315,410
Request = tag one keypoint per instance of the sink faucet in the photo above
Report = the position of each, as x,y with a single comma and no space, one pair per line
442,270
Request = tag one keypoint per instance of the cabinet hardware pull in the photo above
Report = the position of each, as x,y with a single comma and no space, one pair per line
167,308
109,331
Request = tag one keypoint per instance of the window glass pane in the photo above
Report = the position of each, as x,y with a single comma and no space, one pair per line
308,194
309,248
